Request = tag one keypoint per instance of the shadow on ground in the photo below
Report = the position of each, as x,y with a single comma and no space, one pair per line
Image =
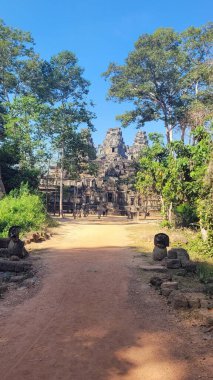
94,319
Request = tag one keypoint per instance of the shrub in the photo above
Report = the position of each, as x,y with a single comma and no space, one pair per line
21,208
185,214
166,223
199,249
205,271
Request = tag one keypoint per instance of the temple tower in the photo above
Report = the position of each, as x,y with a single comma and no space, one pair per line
113,144
140,142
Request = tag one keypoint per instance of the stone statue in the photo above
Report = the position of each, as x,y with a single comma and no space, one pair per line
161,242
15,246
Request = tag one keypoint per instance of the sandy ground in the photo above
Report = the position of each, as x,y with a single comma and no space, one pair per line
94,318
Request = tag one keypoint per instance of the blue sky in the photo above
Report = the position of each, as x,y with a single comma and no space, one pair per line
100,32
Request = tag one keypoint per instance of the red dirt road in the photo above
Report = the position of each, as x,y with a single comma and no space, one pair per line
93,318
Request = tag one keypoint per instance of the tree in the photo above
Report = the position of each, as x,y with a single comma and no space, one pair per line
158,77
12,174
42,105
25,126
152,173
71,109
16,47
205,205
175,172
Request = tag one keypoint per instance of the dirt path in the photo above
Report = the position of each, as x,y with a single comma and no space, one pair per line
94,319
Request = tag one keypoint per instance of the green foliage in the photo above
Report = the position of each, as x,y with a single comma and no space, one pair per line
198,249
21,208
25,127
12,174
16,47
204,271
166,224
186,214
162,76
42,105
175,172
205,203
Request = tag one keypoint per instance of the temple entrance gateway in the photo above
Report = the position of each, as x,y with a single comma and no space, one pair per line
112,186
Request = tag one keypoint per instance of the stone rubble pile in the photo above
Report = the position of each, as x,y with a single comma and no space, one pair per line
175,258
175,263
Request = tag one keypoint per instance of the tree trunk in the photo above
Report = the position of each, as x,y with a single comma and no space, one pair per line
162,205
170,213
47,185
196,88
183,130
170,129
61,183
167,135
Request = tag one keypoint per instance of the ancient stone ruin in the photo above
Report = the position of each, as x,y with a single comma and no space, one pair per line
14,264
112,187
174,275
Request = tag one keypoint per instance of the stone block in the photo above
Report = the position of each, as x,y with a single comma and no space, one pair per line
173,285
172,254
178,253
173,264
14,258
189,266
178,300
159,253
156,281
182,255
167,287
17,278
13,266
153,268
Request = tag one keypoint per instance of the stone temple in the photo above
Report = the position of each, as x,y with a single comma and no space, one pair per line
112,187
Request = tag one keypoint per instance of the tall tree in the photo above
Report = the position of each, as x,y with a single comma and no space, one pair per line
26,128
16,47
69,94
157,77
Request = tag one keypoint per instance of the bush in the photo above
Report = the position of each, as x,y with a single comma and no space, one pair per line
199,249
166,224
185,214
205,272
21,208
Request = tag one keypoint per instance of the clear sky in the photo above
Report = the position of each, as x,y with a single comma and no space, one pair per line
100,32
